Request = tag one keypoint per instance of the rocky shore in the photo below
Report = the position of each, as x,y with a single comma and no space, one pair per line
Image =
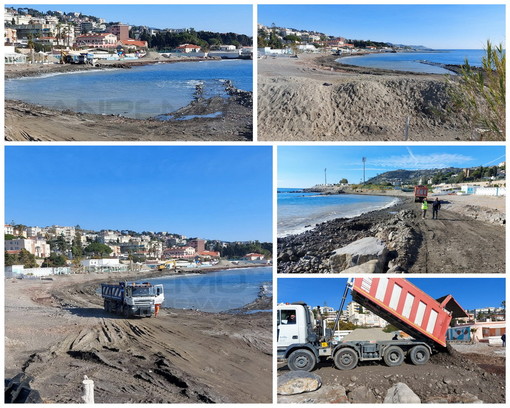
398,240
314,97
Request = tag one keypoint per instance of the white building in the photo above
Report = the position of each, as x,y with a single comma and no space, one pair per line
34,231
104,265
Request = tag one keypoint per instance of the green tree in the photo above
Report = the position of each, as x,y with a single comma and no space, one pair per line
9,237
480,94
97,249
54,260
76,247
24,258
344,181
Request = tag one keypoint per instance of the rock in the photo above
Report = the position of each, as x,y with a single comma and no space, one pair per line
400,393
298,382
373,266
357,253
362,395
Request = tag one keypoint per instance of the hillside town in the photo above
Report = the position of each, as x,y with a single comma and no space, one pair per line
281,40
54,36
42,251
479,180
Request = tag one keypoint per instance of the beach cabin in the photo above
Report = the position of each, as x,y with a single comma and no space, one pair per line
13,57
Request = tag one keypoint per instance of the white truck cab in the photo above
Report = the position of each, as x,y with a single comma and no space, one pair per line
295,324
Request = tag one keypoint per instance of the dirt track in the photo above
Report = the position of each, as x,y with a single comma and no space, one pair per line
57,333
455,243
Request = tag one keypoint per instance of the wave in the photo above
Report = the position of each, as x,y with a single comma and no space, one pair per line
309,224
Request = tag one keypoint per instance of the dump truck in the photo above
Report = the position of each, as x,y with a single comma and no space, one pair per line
304,343
420,193
132,298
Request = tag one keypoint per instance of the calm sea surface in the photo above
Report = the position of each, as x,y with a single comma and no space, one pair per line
300,211
414,61
139,92
215,291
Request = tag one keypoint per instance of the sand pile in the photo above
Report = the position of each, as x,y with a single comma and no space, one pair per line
358,107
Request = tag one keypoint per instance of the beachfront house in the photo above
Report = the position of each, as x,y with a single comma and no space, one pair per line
180,252
13,57
254,257
188,48
103,265
101,40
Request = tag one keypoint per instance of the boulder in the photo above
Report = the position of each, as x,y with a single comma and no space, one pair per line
362,395
298,382
400,393
358,253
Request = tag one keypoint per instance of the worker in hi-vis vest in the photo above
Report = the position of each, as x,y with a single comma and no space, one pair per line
424,208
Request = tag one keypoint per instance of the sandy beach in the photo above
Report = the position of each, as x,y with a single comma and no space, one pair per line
56,331
314,98
30,122
467,237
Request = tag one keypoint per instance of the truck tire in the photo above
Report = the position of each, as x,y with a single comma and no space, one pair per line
419,355
346,359
301,360
393,356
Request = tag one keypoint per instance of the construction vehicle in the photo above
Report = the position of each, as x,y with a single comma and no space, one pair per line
133,299
420,193
304,343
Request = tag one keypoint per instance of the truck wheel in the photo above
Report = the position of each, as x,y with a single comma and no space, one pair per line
419,355
393,356
301,360
346,359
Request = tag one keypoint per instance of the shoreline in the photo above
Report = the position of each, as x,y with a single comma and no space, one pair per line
197,121
412,245
16,71
396,200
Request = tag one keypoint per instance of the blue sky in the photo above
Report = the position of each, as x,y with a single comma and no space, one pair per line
217,18
470,293
216,192
303,166
434,26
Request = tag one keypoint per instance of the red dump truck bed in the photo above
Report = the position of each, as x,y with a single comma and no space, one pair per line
406,307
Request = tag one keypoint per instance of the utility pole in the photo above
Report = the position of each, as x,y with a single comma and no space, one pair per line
363,159
325,178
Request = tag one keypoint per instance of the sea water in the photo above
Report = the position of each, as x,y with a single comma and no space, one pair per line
215,291
139,92
299,211
416,61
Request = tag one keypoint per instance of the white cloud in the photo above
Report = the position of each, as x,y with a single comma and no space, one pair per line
421,162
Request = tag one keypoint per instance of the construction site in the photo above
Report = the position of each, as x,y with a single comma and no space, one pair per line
59,337
421,355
